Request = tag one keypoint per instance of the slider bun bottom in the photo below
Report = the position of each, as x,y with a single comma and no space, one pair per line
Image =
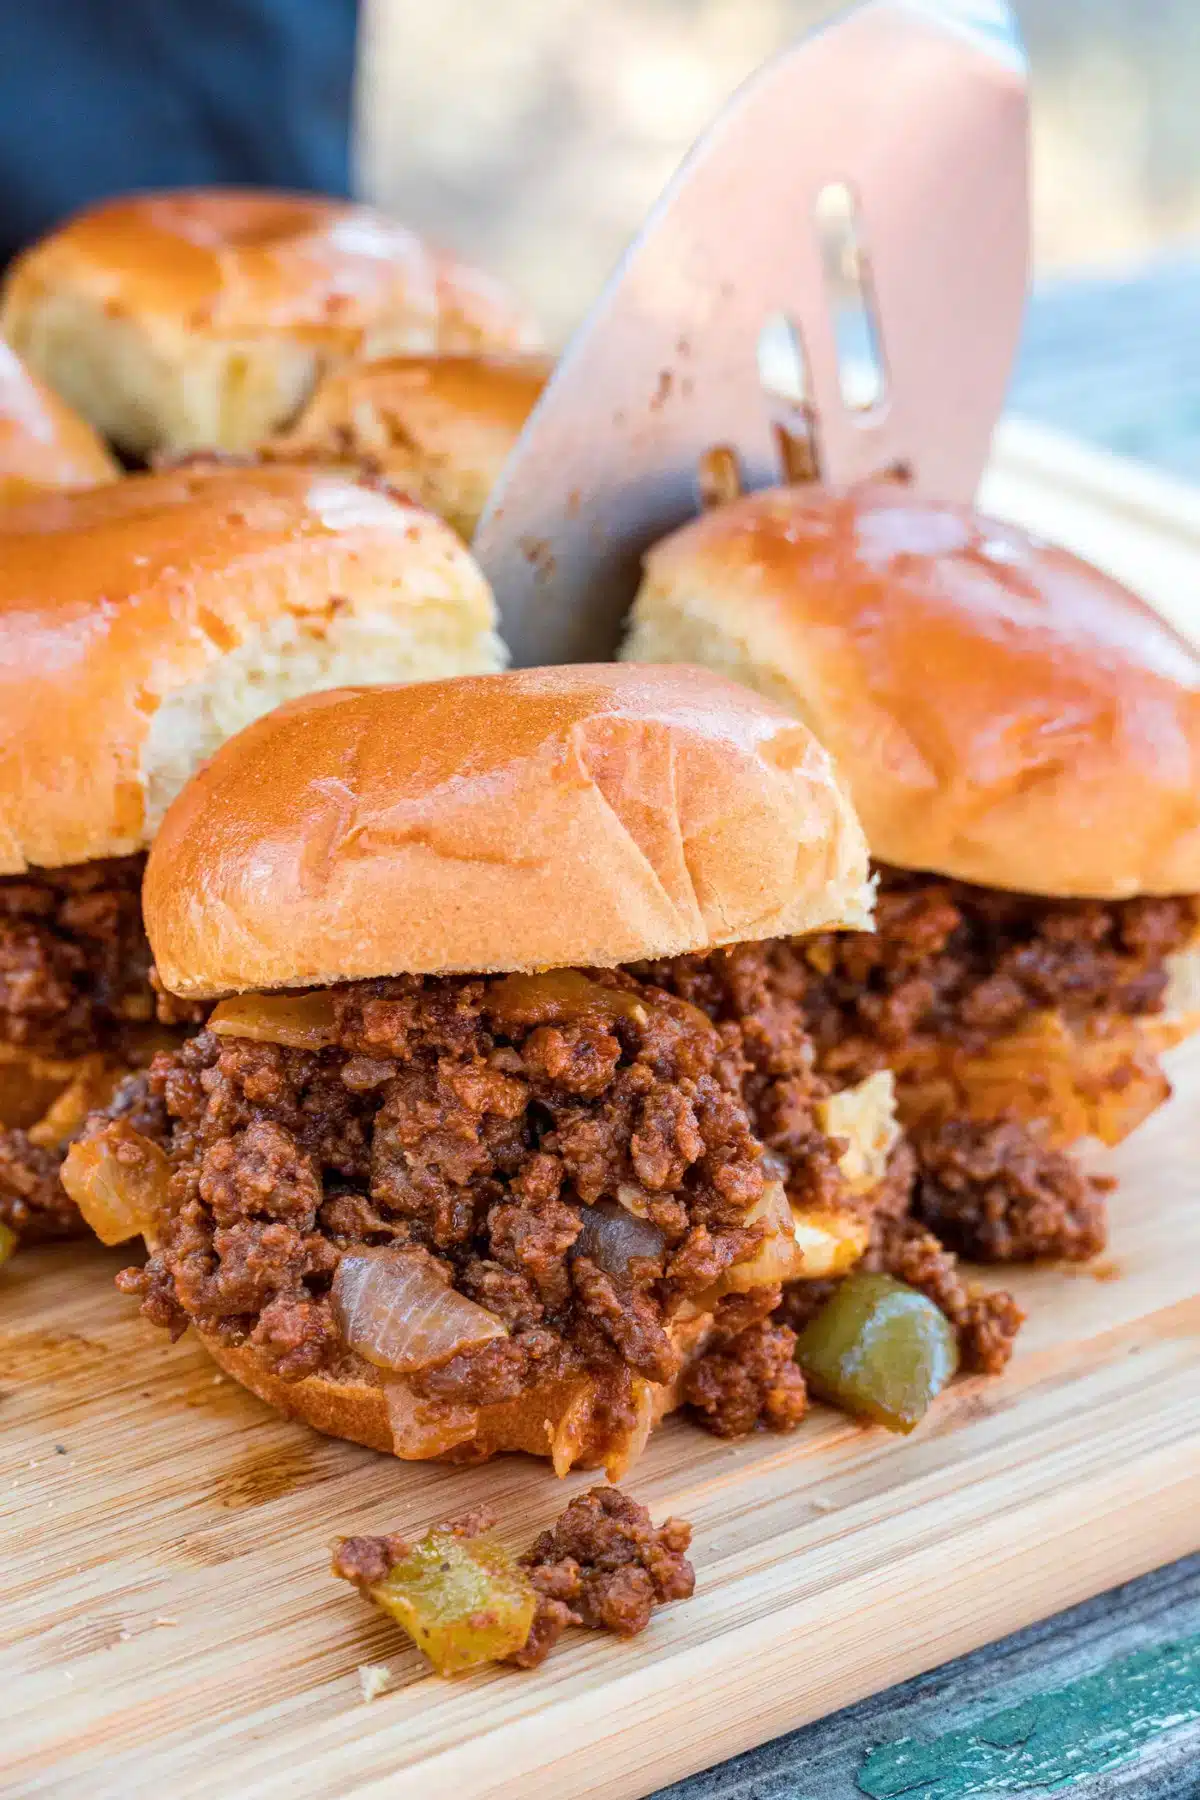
353,1406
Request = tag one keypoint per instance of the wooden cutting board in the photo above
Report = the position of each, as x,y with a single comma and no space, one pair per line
168,1625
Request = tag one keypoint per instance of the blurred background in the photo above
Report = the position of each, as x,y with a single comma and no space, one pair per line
535,133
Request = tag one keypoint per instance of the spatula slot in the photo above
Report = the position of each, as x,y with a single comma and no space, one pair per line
782,363
784,374
862,369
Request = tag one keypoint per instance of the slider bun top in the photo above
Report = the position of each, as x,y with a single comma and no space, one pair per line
43,444
144,622
548,817
1000,710
202,318
440,427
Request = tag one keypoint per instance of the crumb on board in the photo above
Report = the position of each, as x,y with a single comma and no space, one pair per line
374,1679
465,1601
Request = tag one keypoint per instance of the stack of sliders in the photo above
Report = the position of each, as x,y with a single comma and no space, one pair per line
203,319
141,623
1021,738
449,1172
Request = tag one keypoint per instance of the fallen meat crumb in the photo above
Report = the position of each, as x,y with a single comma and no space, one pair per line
604,1565
609,1564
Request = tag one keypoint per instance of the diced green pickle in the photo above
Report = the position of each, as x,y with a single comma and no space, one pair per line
879,1349
463,1601
8,1242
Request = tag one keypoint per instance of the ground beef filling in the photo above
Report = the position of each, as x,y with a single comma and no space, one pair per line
950,964
988,1190
75,983
74,961
447,1115
950,970
1024,1195
33,1202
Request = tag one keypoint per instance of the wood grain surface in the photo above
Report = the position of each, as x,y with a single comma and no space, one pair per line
169,1625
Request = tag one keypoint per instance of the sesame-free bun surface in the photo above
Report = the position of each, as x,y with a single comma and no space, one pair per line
1000,711
144,622
202,318
439,427
43,444
543,818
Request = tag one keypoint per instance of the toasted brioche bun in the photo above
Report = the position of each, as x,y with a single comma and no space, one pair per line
203,318
553,1420
43,444
544,818
439,427
1001,711
144,622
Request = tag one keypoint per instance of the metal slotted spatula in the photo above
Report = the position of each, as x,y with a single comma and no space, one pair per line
831,286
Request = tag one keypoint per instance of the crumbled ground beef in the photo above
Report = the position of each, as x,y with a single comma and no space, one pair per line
986,1323
75,981
992,1192
32,1200
756,994
748,1380
953,964
74,961
604,1565
473,1120
609,1564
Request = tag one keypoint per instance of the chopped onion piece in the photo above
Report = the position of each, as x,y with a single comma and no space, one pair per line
393,1308
776,1258
866,1116
1066,1084
1182,998
634,1199
299,1021
118,1180
424,1429
612,1237
30,1084
572,1430
829,1241
560,997
626,1452
90,1088
801,1245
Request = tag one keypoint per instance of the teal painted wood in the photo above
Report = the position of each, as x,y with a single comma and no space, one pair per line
1100,1703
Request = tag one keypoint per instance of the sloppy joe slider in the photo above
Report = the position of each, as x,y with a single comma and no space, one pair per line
43,444
437,427
202,318
443,1174
1021,736
140,624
